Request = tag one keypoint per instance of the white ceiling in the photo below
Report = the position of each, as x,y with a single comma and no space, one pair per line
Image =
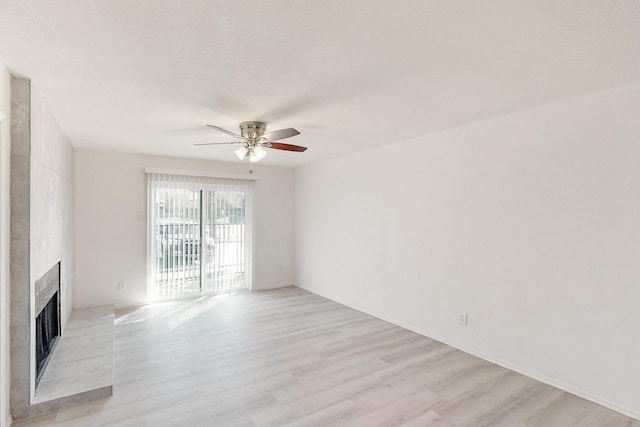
146,76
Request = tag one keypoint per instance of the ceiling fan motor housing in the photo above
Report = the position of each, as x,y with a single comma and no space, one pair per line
252,130
254,139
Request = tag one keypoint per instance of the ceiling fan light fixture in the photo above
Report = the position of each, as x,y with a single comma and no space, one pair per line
254,140
256,154
241,152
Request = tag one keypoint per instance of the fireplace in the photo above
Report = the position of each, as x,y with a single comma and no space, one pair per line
47,321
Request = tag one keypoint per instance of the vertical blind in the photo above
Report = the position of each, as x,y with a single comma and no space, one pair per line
199,235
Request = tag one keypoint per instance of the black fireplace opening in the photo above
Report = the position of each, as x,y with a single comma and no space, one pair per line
47,333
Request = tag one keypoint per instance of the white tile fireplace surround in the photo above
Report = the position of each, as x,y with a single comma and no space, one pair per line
41,232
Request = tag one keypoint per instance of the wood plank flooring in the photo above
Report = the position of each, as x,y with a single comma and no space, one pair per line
287,357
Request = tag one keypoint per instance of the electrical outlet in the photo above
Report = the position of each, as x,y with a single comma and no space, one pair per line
121,285
463,319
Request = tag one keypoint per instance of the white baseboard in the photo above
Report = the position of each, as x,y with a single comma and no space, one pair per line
255,289
268,287
536,376
141,304
524,371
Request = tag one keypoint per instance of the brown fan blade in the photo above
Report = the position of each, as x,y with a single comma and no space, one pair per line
287,147
219,143
225,131
281,134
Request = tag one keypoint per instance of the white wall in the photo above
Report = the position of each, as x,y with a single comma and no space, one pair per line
5,156
530,223
110,205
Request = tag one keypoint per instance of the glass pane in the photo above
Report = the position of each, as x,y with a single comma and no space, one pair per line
225,239
177,243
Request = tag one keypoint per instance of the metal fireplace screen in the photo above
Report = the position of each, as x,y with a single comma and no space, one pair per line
47,333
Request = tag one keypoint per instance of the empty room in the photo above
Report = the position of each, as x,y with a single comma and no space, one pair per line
320,213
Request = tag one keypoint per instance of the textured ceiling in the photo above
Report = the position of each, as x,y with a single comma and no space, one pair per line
146,76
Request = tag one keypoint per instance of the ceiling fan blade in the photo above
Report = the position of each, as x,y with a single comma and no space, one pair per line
281,134
219,143
225,131
287,147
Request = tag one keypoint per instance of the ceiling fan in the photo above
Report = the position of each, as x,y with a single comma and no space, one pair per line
254,140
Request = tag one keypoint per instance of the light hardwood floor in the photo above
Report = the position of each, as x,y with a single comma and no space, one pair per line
287,357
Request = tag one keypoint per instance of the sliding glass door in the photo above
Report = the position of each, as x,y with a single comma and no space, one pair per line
199,236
